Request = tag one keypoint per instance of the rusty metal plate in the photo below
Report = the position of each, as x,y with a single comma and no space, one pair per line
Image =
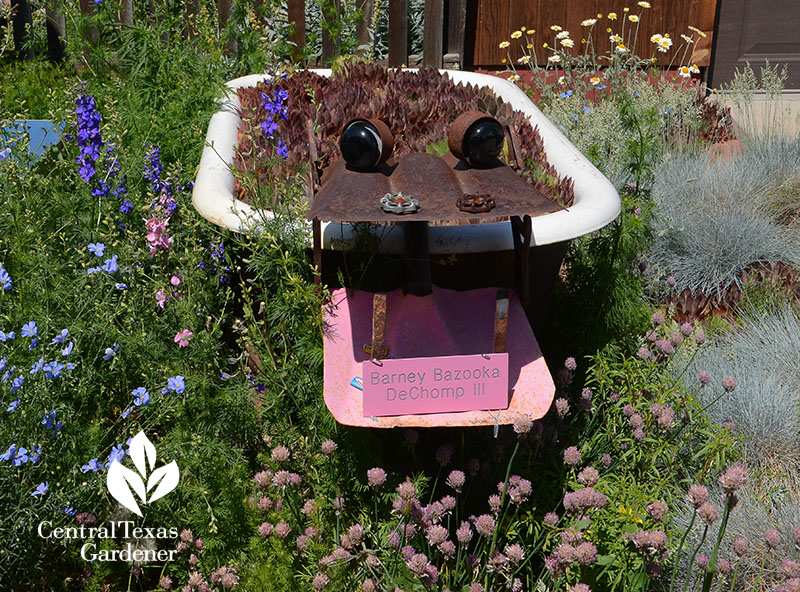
438,184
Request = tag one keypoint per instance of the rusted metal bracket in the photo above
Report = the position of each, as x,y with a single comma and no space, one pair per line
377,349
501,321
513,144
316,228
312,153
521,232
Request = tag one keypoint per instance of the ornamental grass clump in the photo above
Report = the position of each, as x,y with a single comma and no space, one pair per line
715,222
763,409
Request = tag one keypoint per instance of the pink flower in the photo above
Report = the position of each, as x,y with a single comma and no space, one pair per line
572,456
175,280
182,338
157,235
161,298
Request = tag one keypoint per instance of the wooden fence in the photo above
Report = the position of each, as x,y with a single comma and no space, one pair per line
462,33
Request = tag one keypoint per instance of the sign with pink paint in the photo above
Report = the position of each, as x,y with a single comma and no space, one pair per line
435,385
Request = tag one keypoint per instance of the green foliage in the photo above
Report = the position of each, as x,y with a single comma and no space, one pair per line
49,217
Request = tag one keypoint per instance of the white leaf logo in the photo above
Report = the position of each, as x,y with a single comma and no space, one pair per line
121,480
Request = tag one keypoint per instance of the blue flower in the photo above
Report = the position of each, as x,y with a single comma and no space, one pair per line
37,366
140,396
68,349
16,384
110,265
176,383
121,287
602,87
5,279
29,329
5,153
13,406
36,452
93,466
41,489
53,369
117,454
10,453
19,457
153,168
49,422
68,510
70,366
127,412
269,127
92,270
567,94
3,363
282,150
109,353
97,248
34,343
6,336
126,207
61,337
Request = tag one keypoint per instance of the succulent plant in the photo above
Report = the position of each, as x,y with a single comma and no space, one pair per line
417,106
691,307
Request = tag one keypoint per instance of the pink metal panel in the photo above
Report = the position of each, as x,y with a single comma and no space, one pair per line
444,323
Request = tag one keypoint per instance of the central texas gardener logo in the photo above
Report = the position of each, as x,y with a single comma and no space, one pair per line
121,480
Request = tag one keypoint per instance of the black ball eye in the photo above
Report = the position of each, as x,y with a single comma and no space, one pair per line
483,142
476,138
361,145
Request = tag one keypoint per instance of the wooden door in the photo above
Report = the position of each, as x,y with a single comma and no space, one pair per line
755,31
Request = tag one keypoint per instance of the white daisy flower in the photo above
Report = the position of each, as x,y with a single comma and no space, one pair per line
567,43
588,22
685,71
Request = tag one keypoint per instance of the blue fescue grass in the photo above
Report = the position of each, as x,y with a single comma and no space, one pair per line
762,354
716,219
